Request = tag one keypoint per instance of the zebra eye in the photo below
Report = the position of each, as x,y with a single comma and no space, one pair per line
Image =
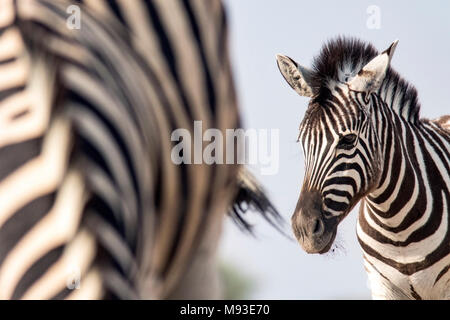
347,141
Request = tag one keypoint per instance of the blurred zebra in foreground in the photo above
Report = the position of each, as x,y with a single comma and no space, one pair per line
87,184
363,139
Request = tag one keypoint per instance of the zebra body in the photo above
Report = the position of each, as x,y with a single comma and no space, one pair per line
86,177
363,139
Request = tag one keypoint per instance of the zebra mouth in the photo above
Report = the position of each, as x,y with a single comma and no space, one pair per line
317,244
329,245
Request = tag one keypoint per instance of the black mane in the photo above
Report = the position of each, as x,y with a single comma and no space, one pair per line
344,57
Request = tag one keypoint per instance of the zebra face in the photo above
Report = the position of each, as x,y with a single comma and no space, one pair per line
339,143
338,170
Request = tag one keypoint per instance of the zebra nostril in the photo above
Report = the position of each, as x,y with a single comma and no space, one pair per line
318,227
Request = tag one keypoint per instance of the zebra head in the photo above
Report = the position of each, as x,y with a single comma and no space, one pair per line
338,135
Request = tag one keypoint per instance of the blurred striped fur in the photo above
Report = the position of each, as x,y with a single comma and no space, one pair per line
86,178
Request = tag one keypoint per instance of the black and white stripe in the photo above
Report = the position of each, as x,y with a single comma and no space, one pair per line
86,177
363,139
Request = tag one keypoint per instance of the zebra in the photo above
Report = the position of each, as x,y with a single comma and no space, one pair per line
363,139
91,205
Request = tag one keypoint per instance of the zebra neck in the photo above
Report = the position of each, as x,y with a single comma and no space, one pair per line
400,96
412,153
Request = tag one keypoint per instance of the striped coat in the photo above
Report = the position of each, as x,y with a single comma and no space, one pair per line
89,197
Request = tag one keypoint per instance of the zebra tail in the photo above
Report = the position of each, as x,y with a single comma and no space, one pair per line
250,196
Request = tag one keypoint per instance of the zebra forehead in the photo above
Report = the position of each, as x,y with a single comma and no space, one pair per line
316,129
328,119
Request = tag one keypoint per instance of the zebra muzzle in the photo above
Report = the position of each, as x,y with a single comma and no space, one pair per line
313,231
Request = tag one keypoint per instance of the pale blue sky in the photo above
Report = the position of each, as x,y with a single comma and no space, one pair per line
259,30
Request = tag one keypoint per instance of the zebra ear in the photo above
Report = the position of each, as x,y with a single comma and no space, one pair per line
297,76
370,77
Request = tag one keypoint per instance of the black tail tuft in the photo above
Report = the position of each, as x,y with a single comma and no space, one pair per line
251,196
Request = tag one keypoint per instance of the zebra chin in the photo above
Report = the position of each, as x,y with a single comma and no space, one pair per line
314,232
